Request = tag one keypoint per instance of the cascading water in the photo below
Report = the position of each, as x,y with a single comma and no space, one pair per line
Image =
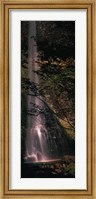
44,137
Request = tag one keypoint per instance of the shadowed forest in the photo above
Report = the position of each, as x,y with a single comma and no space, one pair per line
48,99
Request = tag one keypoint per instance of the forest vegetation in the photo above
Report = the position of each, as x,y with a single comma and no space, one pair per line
56,58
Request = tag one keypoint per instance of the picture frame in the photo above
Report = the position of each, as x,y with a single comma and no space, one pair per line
5,6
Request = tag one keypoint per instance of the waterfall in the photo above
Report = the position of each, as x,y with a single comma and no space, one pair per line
43,143
34,137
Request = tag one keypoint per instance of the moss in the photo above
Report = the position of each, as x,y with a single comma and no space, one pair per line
70,169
